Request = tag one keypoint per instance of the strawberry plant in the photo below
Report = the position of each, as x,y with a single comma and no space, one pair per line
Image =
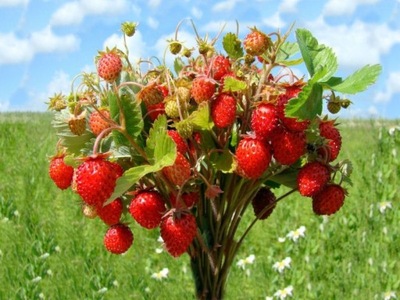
188,149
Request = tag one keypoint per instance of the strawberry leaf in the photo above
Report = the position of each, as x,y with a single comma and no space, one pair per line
308,103
232,45
234,85
200,118
356,82
287,50
223,161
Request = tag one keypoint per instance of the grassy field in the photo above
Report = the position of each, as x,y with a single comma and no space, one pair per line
48,250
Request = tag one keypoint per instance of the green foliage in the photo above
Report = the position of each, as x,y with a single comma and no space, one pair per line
234,85
286,51
232,45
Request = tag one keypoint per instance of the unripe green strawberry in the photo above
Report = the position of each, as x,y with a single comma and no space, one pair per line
329,200
95,180
185,128
202,89
118,239
98,121
147,208
109,65
312,178
111,213
253,157
264,120
175,47
263,199
183,94
60,173
150,94
178,232
179,172
328,130
57,102
129,28
77,124
333,107
288,146
223,110
171,107
256,42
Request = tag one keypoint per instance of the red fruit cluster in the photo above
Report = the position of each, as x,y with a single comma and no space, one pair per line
118,239
60,173
179,172
109,66
203,89
147,208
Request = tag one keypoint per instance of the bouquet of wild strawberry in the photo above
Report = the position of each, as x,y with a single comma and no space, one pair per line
187,150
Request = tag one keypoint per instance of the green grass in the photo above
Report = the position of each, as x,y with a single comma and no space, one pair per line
49,250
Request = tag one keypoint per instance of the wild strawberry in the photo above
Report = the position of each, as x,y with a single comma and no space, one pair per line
178,232
312,178
98,121
293,124
95,180
171,107
111,213
118,239
155,110
264,120
77,124
253,157
164,90
263,199
223,110
220,67
179,172
328,130
189,199
147,208
202,89
288,146
181,145
329,200
109,65
256,42
60,173
150,94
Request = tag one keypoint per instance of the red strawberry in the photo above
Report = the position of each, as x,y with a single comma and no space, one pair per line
95,180
60,173
155,110
264,120
223,110
253,157
150,94
328,130
288,146
312,178
147,208
202,89
190,199
181,145
263,199
109,65
220,67
179,172
256,42
118,239
98,121
178,232
164,90
111,213
293,124
329,200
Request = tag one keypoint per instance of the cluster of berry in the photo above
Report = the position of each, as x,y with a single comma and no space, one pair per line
225,115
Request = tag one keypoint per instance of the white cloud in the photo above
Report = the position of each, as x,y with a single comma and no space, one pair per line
392,87
357,44
275,21
73,13
9,3
224,5
288,6
197,13
154,3
341,7
153,23
14,50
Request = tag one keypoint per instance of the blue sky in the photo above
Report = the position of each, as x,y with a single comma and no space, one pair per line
45,43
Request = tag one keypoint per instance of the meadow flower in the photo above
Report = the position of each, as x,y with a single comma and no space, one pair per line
268,298
36,279
389,295
248,260
159,250
296,234
282,294
44,255
160,275
49,272
384,205
115,283
281,239
280,266
16,213
57,249
393,129
103,290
